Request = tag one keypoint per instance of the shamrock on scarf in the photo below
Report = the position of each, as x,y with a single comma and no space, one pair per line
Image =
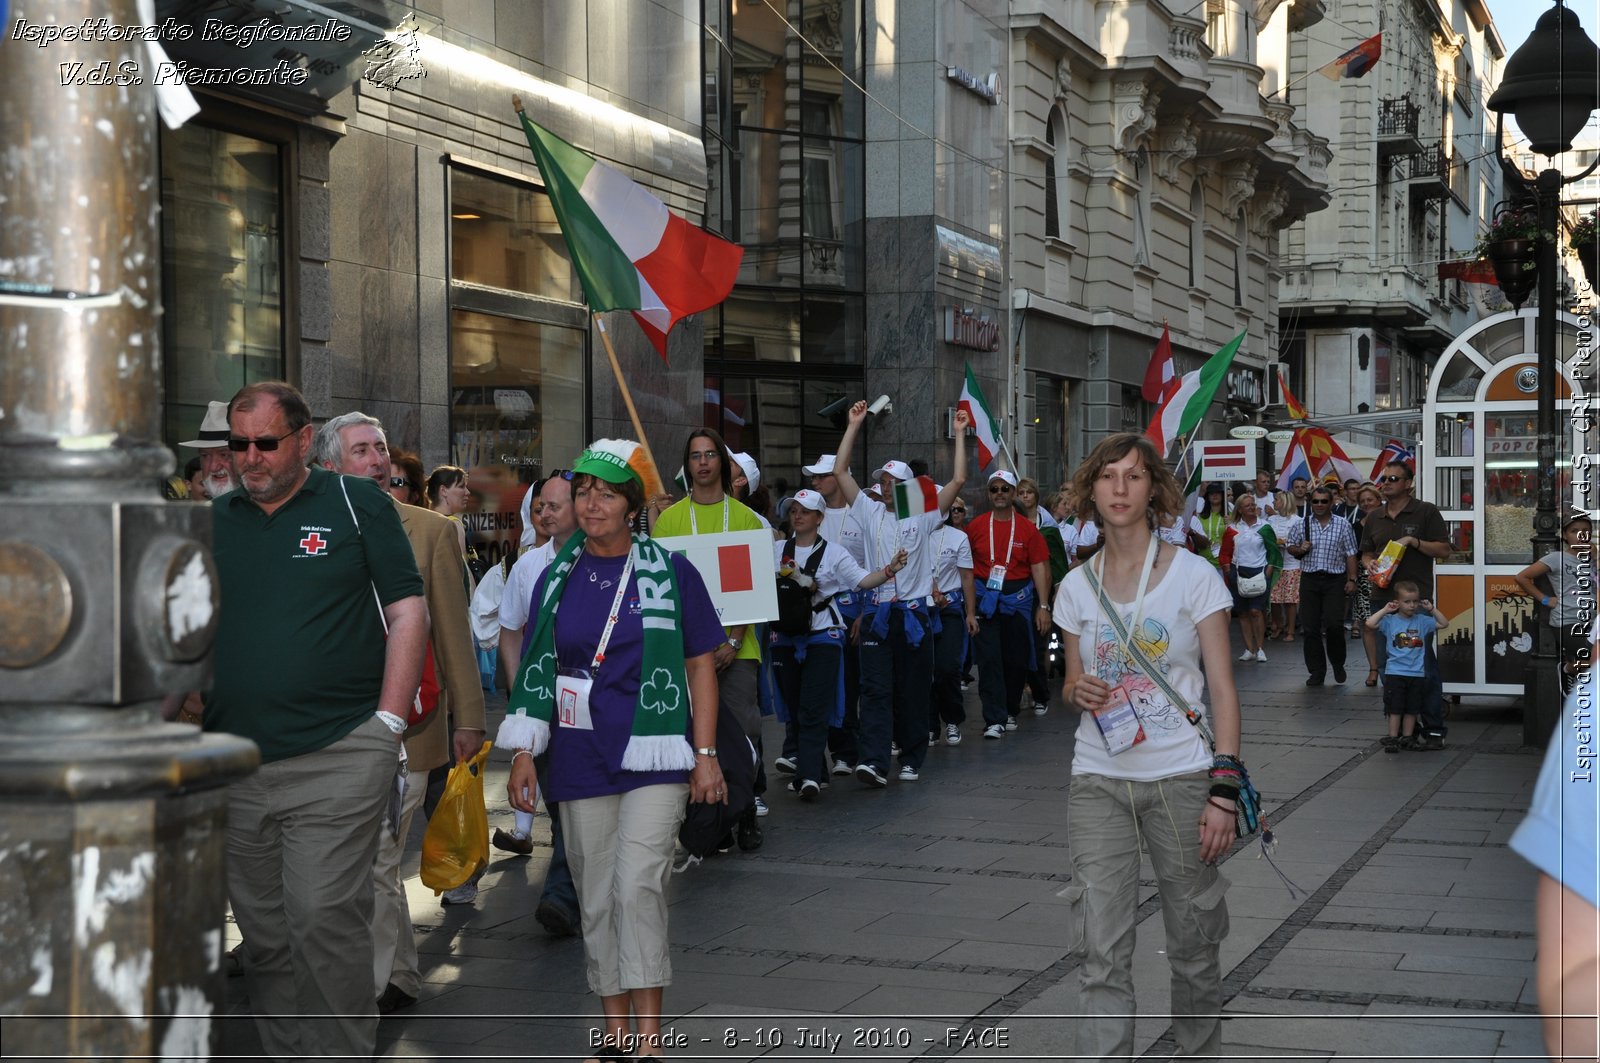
660,693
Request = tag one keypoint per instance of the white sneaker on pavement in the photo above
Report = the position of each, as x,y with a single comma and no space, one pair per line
1261,655
952,735
908,773
1247,656
995,730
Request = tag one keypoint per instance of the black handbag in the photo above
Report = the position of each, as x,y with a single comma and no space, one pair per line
706,823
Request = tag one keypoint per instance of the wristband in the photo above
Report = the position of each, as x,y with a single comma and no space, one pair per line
521,753
1224,808
1224,791
706,751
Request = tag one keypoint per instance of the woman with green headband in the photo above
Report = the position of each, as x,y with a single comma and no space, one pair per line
620,650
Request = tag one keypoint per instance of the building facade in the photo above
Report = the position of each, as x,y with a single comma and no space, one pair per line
1415,179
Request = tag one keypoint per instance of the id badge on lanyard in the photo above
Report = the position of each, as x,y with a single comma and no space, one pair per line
1119,724
998,568
997,578
572,699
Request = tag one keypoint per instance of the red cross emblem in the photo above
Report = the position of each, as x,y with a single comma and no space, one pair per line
313,544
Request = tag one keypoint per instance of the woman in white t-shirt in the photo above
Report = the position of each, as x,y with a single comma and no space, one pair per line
808,669
1289,527
1141,770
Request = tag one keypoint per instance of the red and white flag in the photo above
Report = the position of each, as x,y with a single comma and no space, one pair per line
1159,378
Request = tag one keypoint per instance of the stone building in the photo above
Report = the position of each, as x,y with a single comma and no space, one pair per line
1415,178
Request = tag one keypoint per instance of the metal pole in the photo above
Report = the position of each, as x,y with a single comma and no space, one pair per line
1542,683
111,897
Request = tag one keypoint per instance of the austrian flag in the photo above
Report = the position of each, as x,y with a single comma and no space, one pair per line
912,497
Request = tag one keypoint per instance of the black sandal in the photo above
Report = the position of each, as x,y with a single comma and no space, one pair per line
609,1054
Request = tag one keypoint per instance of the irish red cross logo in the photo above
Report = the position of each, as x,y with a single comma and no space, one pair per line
313,544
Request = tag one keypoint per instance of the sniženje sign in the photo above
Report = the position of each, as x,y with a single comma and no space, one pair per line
737,569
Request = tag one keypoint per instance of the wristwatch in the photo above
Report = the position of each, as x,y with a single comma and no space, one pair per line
735,643
706,751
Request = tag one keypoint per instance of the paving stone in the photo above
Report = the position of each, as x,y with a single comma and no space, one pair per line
1285,972
1361,1038
977,928
1001,954
1380,961
1482,948
824,941
967,979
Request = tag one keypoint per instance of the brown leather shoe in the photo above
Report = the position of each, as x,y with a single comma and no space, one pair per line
505,841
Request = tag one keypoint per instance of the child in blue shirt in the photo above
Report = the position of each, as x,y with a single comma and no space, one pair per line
1405,625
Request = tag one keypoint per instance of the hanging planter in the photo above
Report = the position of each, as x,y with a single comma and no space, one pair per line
1511,245
1585,242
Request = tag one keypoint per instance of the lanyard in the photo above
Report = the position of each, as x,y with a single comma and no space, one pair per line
694,527
1138,598
616,610
1011,541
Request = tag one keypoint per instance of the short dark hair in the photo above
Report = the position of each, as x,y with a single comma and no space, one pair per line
1407,585
724,454
192,466
1403,467
630,489
296,413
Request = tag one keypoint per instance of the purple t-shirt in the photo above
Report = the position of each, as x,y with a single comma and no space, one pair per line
587,763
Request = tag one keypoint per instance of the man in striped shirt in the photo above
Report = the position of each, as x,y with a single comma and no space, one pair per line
1327,576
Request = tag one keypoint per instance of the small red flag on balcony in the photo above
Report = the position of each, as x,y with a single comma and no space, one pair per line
1357,61
1468,271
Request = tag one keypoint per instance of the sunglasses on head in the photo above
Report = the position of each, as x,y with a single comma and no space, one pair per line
265,445
565,474
399,481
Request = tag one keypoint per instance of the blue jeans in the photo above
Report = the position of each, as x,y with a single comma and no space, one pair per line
1106,821
894,691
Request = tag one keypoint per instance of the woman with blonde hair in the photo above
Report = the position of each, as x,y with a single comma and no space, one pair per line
1289,526
1152,765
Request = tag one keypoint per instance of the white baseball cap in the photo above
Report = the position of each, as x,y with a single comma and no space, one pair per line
823,467
807,498
1004,477
898,469
752,472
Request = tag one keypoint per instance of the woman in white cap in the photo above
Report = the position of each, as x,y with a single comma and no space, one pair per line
621,649
808,652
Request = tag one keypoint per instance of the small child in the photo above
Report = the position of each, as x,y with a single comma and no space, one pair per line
1406,624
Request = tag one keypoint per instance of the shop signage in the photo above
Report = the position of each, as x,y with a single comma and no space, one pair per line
1282,435
964,328
1244,387
987,88
1247,431
1502,445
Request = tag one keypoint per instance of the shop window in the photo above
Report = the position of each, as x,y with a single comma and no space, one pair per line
221,269
504,235
777,420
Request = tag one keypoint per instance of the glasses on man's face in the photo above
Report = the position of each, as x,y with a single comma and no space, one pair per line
1390,479
999,489
265,445
399,481
1321,501
702,455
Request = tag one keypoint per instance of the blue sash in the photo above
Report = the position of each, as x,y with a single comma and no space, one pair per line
849,604
833,636
991,601
912,612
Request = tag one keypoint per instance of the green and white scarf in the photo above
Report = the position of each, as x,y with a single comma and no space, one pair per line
661,717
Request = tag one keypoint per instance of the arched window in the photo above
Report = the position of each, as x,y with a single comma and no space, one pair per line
1197,234
1057,208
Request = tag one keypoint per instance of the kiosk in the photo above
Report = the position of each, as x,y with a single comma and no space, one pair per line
1479,466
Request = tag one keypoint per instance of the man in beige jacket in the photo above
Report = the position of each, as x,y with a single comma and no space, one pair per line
354,444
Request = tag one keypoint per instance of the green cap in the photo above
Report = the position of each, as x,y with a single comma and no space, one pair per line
609,459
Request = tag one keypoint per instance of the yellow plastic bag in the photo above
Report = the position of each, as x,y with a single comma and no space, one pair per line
455,847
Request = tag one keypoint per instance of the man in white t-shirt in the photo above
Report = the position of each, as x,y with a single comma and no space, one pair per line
558,905
896,652
839,527
1263,493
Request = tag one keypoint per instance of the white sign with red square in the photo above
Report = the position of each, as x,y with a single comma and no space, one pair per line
1226,459
737,568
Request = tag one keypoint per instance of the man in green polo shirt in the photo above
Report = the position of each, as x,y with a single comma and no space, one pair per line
709,509
312,566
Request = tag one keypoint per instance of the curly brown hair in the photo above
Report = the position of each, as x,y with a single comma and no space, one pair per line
1166,497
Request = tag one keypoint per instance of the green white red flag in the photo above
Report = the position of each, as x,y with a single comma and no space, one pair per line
983,421
912,497
1186,407
630,251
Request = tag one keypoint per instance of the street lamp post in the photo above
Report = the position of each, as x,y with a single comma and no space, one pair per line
1551,86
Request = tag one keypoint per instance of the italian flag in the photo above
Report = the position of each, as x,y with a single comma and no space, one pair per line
1186,407
913,497
983,422
630,251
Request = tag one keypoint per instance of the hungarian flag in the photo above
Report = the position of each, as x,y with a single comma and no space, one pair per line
1296,410
912,497
1184,409
1393,451
983,422
1159,379
630,251
1357,61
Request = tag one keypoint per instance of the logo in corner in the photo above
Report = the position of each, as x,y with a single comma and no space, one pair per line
395,58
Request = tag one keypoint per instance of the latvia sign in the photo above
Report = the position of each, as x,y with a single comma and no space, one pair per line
737,568
1225,459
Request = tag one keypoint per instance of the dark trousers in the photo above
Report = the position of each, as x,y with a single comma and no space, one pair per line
1430,718
809,689
842,740
1039,671
894,689
1002,650
1322,602
558,886
945,704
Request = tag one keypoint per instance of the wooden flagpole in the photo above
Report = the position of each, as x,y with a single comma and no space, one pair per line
650,490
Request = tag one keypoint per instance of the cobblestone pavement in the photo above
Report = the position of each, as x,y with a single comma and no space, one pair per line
922,921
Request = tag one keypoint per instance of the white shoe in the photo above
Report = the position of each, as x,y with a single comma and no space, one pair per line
908,773
761,807
1011,723
1041,707
1247,656
465,893
1261,655
952,735
995,730
843,767
784,766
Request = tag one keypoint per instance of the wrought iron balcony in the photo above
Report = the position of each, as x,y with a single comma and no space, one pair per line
1397,128
1429,173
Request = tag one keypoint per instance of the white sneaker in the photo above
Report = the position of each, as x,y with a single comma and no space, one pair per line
843,767
1040,708
952,735
908,773
784,766
808,790
894,749
1011,723
761,807
1247,656
933,738
994,730
465,893
1261,655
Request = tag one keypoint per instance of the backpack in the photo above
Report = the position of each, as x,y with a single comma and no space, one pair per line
796,593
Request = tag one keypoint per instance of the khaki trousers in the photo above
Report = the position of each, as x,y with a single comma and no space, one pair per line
394,944
302,836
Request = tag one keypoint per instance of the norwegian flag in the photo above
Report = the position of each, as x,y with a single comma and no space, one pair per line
1394,451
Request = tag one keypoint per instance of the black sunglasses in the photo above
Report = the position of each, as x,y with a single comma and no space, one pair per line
1322,501
266,445
399,481
995,489
1392,479
565,474
958,509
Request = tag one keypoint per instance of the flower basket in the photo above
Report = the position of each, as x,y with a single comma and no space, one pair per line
1589,255
1584,239
1516,268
